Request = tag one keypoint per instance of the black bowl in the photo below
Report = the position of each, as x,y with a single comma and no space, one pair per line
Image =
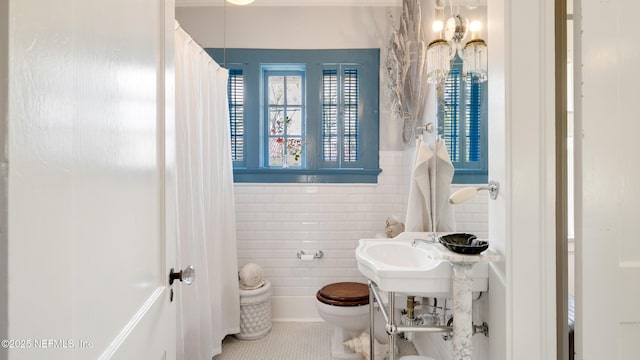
463,243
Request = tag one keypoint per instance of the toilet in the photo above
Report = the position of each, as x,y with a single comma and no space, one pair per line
345,305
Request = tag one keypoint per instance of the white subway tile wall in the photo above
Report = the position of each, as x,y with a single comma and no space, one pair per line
275,221
473,215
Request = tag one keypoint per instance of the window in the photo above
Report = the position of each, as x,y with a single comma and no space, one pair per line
285,136
304,116
340,115
464,125
235,92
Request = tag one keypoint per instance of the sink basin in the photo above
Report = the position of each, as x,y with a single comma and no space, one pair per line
399,255
397,265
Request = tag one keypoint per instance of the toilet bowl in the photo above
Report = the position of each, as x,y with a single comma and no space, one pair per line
345,305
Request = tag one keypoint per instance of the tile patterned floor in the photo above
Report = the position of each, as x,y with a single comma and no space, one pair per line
290,341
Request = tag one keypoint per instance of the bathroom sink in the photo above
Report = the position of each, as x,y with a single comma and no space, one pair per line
399,255
400,266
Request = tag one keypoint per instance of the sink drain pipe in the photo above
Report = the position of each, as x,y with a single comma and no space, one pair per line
389,318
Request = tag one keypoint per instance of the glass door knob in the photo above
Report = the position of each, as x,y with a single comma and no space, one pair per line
187,276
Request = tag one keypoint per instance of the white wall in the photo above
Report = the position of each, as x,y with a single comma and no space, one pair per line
276,220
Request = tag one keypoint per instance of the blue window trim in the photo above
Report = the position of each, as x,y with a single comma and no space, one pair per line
476,170
253,61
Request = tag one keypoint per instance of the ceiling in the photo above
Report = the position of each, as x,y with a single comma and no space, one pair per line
295,3
184,3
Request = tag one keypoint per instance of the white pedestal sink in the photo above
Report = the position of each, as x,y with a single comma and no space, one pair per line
421,269
415,264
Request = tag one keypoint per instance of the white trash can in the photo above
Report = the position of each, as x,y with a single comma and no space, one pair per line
255,312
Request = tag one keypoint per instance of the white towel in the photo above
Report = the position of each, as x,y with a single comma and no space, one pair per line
428,208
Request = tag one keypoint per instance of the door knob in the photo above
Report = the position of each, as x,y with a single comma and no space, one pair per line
187,276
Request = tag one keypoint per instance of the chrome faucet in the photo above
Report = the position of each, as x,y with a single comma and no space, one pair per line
431,240
414,242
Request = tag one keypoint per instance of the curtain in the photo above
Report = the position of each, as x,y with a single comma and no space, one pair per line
210,308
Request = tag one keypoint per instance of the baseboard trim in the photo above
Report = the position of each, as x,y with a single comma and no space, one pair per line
294,309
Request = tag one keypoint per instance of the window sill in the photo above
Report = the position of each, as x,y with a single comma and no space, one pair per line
305,176
468,176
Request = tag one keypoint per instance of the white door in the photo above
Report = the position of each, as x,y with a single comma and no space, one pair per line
608,210
89,115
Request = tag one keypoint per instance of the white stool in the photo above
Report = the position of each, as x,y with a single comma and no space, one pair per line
255,312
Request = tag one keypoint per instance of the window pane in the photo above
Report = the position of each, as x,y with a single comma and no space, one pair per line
293,121
473,115
350,149
235,91
451,120
330,148
276,120
276,90
330,115
276,151
351,87
285,118
294,152
294,90
351,115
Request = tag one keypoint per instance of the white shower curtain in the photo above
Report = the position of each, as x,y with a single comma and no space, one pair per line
210,308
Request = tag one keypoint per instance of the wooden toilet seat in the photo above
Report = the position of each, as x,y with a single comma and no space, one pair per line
344,294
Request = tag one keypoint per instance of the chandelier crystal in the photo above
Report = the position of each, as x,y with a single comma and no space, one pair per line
474,64
438,61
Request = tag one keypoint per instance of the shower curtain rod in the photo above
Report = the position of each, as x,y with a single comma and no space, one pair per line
224,33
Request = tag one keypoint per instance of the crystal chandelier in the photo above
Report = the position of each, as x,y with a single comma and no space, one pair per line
450,36
438,61
474,65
